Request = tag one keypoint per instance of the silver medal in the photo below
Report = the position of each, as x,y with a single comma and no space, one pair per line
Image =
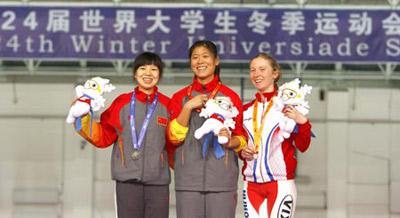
135,154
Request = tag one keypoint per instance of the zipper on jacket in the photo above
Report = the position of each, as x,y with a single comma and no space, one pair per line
144,141
204,170
205,158
204,89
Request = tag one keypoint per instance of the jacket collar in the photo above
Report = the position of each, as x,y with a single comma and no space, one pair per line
266,96
143,97
209,87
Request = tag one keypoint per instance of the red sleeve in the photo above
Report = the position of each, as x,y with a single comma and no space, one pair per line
239,119
109,135
104,133
238,131
302,138
170,148
175,104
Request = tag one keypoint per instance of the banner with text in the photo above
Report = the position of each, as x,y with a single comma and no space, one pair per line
78,32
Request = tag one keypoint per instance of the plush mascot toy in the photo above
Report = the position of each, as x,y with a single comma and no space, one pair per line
219,113
89,97
293,94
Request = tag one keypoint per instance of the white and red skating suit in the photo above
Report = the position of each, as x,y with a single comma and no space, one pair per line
269,189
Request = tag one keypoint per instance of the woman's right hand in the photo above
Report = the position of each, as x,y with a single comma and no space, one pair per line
196,102
79,108
248,153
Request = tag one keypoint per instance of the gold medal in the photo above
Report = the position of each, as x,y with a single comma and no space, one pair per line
135,154
258,131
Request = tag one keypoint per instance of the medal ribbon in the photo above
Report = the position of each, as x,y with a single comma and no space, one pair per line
258,131
218,150
136,144
212,94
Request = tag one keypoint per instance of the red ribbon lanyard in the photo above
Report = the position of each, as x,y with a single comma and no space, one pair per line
212,94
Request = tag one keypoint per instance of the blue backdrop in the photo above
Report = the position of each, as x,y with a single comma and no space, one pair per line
62,32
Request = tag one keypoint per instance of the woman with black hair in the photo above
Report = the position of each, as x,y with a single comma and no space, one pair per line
135,124
206,185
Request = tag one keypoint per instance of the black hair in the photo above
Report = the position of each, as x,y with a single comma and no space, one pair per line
208,45
148,58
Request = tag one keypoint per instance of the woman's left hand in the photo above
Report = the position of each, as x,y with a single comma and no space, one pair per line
225,132
294,114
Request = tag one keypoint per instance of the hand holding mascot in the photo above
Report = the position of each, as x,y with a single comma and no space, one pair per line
219,113
89,97
291,94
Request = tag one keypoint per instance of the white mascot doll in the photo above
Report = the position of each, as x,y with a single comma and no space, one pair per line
291,93
219,112
89,97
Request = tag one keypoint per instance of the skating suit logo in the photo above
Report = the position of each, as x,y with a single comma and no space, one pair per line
286,207
245,207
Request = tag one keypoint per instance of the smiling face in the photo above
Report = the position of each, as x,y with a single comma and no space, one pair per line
203,63
147,77
262,74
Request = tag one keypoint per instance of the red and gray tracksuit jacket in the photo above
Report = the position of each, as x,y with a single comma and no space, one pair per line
276,161
192,171
151,167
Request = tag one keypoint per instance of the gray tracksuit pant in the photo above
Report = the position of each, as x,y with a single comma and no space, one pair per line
137,200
